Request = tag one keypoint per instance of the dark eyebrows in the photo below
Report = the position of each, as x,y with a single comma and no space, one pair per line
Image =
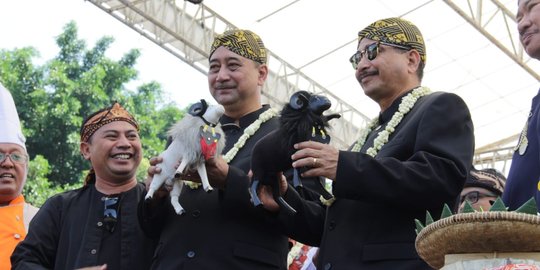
132,132
110,131
116,131
524,6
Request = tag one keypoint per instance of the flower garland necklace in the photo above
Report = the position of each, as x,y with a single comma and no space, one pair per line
248,132
407,103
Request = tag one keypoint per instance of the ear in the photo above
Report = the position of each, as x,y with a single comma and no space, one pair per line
263,74
85,150
414,60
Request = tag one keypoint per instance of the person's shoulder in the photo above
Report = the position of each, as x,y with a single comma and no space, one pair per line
29,212
443,95
443,98
66,195
73,192
444,105
31,208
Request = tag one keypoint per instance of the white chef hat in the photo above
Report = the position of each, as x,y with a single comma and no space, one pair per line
10,126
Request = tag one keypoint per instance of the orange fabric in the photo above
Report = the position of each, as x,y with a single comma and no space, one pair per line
12,229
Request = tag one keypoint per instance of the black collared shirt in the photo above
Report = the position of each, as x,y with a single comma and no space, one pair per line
384,118
234,131
68,233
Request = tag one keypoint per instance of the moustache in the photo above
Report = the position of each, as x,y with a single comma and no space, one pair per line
224,86
364,74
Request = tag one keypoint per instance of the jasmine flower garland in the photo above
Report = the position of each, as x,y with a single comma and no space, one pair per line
248,132
407,103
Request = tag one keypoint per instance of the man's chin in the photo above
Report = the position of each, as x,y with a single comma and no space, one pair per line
534,52
123,176
124,170
368,91
7,191
224,100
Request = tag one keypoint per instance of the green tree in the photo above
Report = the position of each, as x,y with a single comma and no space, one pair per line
54,98
38,188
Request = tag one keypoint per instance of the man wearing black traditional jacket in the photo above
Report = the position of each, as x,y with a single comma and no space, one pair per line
95,225
222,229
413,157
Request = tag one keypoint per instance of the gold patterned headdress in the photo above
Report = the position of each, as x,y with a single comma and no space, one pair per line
396,31
103,117
242,42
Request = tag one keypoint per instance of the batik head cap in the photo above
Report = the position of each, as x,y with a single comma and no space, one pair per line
98,119
396,31
105,116
10,126
489,179
242,42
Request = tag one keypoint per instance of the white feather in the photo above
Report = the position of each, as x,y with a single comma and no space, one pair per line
186,149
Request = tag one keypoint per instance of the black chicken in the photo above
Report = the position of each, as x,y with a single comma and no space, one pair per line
301,120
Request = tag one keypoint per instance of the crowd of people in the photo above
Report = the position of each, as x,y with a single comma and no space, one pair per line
416,156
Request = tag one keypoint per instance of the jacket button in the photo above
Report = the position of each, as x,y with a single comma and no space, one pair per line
191,254
99,224
331,225
17,236
196,213
328,266
93,251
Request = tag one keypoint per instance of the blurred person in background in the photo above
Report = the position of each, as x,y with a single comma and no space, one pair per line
15,213
482,188
524,175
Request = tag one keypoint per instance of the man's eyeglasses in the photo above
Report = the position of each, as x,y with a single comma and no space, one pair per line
15,157
371,51
473,196
110,213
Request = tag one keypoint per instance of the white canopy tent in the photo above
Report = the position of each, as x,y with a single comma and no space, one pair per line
472,50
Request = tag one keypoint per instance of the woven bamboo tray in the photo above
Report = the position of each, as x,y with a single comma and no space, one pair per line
479,232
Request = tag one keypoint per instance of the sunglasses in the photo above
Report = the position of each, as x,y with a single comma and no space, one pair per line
15,157
473,196
371,51
110,213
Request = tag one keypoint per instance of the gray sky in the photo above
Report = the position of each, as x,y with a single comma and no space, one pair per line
36,23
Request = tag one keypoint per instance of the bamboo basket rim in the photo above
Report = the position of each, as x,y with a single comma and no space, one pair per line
478,232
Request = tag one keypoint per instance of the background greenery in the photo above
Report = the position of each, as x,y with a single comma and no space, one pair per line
54,98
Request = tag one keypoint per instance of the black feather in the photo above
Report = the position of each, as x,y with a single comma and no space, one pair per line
301,120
